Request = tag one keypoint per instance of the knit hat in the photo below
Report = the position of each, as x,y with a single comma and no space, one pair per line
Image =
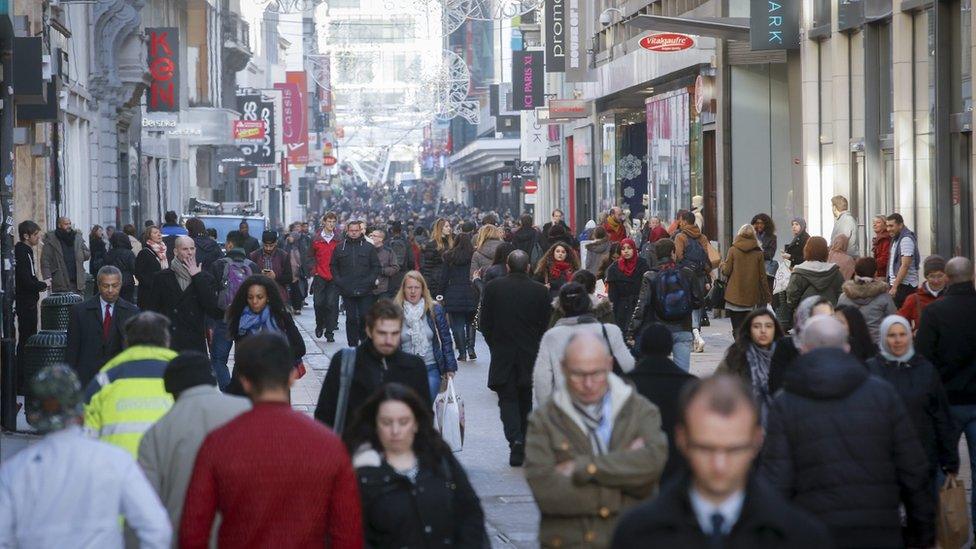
189,369
656,340
269,236
57,399
933,263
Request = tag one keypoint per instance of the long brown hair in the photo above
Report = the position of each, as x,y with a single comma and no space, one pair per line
542,267
436,235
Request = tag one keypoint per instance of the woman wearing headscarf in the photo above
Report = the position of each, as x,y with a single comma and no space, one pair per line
793,252
624,282
787,349
838,256
920,387
751,356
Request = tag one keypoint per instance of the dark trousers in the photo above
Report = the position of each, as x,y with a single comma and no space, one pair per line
902,293
356,309
325,300
514,405
737,318
462,326
297,295
26,323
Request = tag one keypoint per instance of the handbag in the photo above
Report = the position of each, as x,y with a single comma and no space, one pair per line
347,362
449,416
953,521
716,296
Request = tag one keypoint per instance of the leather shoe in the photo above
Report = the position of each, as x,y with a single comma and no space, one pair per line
517,456
319,331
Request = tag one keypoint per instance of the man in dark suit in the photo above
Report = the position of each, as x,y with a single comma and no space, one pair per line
721,502
95,326
514,315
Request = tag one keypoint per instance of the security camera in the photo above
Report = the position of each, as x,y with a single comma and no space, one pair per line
606,19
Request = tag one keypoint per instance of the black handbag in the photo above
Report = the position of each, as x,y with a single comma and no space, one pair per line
716,296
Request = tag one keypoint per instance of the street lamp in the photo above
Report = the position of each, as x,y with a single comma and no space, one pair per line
606,19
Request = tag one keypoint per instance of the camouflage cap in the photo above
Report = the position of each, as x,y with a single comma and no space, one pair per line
56,398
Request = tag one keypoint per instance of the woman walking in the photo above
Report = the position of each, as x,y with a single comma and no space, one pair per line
597,250
121,256
838,256
460,300
751,356
747,286
488,240
432,255
624,282
151,260
414,492
815,277
96,243
425,330
556,268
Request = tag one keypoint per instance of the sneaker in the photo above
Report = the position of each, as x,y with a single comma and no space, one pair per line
699,345
471,355
517,456
319,331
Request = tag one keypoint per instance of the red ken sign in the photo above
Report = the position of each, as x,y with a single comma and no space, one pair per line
164,51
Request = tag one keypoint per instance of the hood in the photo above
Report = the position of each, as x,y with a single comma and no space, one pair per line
862,292
599,246
818,273
524,235
746,243
599,306
206,244
692,231
825,374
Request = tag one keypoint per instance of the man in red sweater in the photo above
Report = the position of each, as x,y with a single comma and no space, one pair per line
325,294
277,477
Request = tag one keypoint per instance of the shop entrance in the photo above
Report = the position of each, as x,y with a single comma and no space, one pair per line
585,199
709,184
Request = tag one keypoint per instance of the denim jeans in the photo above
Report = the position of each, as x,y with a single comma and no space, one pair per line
220,352
682,349
696,319
461,328
965,418
434,379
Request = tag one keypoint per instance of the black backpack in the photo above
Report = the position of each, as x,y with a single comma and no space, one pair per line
695,257
672,295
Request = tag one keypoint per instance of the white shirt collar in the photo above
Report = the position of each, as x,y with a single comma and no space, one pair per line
730,509
103,303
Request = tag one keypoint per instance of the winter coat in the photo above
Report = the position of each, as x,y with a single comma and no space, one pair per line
681,239
443,345
432,267
459,292
526,238
208,251
547,373
440,509
403,255
53,263
582,510
187,310
872,299
841,445
795,248
784,356
846,225
921,390
389,267
288,328
514,315
122,258
355,267
601,308
767,240
147,265
98,251
624,290
947,337
813,278
747,284
484,256
660,380
322,251
597,252
493,272
881,250
766,521
915,303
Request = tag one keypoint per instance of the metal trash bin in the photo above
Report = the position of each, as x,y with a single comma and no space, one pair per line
55,308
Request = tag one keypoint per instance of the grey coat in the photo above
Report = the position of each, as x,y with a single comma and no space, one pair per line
484,256
169,448
53,266
388,268
872,299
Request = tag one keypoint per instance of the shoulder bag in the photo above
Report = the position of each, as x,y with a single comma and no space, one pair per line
347,364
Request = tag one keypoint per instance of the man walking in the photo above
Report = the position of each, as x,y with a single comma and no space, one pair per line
903,260
277,477
845,224
63,258
377,360
169,448
325,294
355,270
95,326
249,243
514,316
389,266
594,449
67,490
857,458
274,263
404,258
721,502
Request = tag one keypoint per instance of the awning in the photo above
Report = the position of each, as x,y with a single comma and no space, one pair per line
728,28
484,156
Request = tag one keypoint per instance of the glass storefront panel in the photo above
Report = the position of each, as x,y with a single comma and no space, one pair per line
669,153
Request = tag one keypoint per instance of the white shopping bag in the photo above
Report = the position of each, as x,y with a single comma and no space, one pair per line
449,417
782,279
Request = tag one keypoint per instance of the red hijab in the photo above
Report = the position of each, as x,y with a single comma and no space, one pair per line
628,266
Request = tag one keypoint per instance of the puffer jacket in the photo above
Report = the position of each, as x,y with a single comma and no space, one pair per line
432,267
841,445
601,308
871,298
814,278
459,292
444,346
582,510
484,256
744,267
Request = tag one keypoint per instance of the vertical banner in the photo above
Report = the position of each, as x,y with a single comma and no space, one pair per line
577,40
528,82
534,138
555,20
163,94
256,107
295,116
774,24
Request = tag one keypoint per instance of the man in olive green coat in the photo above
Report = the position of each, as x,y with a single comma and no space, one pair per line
594,450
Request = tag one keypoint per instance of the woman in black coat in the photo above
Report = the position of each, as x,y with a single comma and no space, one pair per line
414,492
258,307
460,300
794,250
150,260
96,243
121,256
556,268
750,357
432,256
624,282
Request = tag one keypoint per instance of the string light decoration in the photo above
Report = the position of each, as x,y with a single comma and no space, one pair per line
492,10
444,90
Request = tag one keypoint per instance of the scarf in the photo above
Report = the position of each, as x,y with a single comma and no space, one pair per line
159,249
759,362
413,321
252,322
182,274
66,237
560,270
628,266
594,418
613,223
885,351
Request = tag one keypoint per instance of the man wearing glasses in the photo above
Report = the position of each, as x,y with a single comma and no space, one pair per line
719,503
593,450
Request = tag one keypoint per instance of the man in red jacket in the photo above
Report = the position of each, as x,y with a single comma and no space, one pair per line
325,294
277,477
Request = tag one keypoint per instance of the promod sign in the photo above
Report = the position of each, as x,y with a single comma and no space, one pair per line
667,42
164,69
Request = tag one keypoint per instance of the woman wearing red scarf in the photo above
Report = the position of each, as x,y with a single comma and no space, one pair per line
624,282
557,267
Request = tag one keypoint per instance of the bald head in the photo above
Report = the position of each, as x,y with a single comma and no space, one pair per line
518,262
959,269
586,364
184,249
823,332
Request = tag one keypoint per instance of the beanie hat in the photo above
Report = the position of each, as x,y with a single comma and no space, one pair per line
269,237
189,369
933,263
57,399
656,340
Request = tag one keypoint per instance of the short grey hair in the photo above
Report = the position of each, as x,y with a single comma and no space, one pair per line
108,270
823,332
147,328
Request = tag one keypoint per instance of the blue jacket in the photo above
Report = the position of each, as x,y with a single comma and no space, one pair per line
444,345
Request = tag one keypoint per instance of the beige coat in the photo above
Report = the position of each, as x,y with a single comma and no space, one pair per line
53,266
582,510
746,272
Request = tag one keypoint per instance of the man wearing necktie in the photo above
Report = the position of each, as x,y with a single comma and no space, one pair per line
95,326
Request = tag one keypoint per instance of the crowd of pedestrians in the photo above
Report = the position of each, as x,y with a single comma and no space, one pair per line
833,419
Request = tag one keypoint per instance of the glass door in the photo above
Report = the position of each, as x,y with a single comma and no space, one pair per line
961,195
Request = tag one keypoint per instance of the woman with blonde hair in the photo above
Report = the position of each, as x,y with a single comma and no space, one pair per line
488,240
744,268
426,332
432,256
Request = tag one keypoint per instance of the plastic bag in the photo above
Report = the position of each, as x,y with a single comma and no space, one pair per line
449,417
782,278
953,519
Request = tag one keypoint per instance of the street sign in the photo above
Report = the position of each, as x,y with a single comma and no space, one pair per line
506,186
329,161
667,42
531,186
248,130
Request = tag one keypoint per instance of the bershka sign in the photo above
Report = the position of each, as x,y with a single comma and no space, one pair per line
774,24
667,42
555,19
528,83
164,54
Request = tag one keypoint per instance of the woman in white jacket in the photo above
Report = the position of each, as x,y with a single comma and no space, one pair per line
576,304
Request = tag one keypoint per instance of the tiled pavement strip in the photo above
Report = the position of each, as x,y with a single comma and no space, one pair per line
511,515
